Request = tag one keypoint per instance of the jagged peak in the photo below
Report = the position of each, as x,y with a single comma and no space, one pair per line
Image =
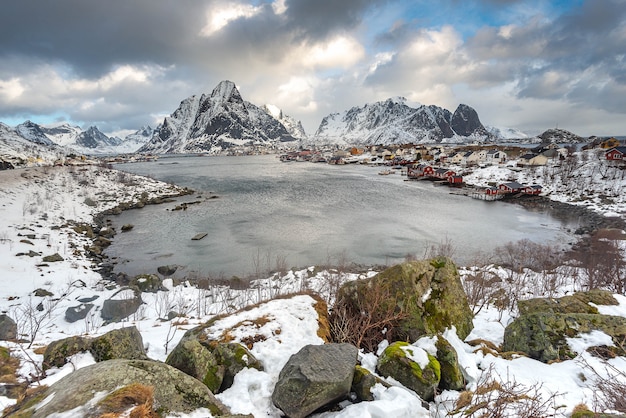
226,91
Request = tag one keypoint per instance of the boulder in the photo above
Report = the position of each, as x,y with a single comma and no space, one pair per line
52,258
117,308
8,328
57,352
425,297
451,373
213,363
544,324
363,382
149,283
76,313
174,392
123,343
316,376
167,270
411,366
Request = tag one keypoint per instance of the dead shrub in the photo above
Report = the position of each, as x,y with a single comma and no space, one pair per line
495,397
366,318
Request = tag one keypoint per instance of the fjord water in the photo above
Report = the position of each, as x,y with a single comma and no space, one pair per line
308,214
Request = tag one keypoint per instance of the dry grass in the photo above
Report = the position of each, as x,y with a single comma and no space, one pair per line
136,398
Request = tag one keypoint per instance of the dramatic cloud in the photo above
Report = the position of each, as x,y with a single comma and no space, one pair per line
122,64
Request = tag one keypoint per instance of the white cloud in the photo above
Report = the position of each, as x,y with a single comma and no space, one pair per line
11,89
340,52
221,15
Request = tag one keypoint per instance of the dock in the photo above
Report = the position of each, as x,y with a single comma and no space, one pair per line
199,236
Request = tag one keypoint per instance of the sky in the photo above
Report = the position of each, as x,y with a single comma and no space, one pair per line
529,65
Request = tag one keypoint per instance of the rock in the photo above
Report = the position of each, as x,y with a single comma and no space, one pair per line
123,343
174,392
8,328
213,363
315,376
52,258
363,382
149,283
396,362
451,374
194,359
425,296
576,303
114,310
57,352
167,270
127,227
542,336
76,313
42,293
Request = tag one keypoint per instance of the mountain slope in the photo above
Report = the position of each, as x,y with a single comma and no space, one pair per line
396,121
211,123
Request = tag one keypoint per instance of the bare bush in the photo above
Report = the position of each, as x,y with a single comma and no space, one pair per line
366,318
527,254
603,264
482,288
495,397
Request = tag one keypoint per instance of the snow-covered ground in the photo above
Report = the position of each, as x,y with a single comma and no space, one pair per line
37,203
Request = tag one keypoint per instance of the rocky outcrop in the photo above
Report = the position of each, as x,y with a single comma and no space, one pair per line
422,297
213,363
117,308
174,392
316,376
451,374
544,325
76,313
413,367
124,343
149,283
8,328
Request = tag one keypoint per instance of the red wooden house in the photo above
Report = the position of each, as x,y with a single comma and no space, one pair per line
534,189
443,173
421,170
511,187
616,154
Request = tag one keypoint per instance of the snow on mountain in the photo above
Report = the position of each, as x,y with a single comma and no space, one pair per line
64,134
33,133
293,126
506,133
560,136
211,123
18,151
397,121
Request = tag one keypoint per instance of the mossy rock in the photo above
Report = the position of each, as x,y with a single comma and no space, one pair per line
194,359
57,352
174,391
395,363
427,297
577,303
149,283
234,357
451,374
123,343
52,258
363,382
542,336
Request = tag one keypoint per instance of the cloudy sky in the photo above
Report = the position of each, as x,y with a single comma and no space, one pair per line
120,64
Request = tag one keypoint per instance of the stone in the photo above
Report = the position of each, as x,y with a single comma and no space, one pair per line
114,310
426,296
167,270
8,328
396,362
316,376
58,352
52,258
42,293
451,374
149,283
175,392
76,313
542,336
123,343
127,227
363,382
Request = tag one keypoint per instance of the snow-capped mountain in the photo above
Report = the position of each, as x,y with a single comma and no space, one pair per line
560,136
93,139
507,133
211,123
64,134
33,133
293,126
18,151
397,121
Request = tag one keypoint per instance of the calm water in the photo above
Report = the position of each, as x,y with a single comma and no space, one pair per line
309,214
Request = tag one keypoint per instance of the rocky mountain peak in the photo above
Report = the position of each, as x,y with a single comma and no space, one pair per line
465,122
33,133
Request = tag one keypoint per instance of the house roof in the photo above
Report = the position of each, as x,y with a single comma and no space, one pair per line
620,149
513,185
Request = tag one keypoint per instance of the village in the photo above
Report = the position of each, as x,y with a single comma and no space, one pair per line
449,164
